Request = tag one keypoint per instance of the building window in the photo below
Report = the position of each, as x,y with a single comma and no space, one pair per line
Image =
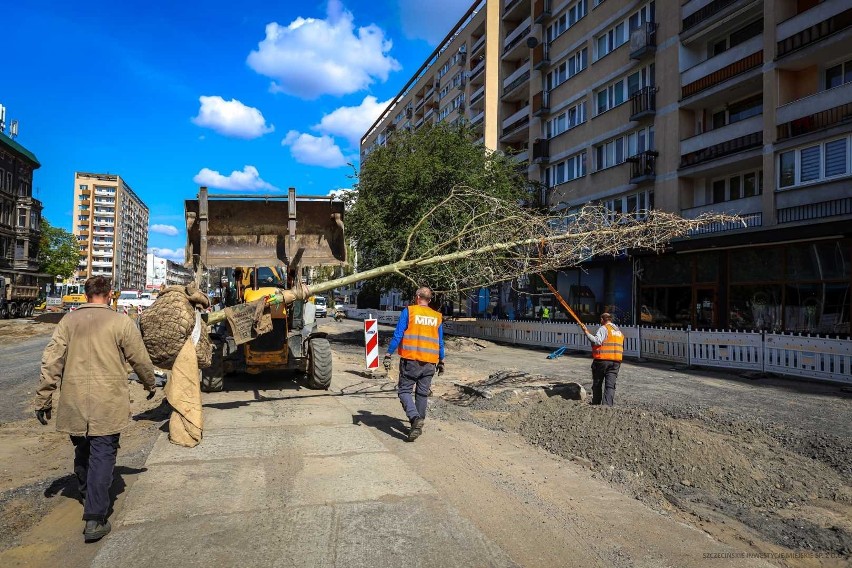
568,18
815,163
617,150
838,75
616,93
738,111
636,205
618,35
739,186
567,69
566,170
735,38
566,120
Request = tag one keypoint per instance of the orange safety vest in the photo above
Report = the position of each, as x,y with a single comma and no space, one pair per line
420,341
612,348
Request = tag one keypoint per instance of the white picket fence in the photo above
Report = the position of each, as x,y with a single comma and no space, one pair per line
795,355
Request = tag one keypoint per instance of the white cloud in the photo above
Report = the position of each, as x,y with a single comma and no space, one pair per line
170,230
177,255
312,57
231,118
246,180
352,122
430,21
314,150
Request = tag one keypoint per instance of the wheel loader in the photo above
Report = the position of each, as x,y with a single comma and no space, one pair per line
256,246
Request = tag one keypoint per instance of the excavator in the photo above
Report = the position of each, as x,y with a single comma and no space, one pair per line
258,245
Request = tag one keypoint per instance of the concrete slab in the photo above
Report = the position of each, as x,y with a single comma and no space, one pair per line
172,491
284,537
356,477
421,532
261,414
223,444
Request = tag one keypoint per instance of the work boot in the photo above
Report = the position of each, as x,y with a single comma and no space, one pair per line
96,530
416,429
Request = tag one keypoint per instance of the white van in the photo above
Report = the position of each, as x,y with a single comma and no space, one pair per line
322,308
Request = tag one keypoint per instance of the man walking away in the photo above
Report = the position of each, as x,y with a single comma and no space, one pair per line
86,358
420,338
607,351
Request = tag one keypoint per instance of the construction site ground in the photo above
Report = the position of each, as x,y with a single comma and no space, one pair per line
691,468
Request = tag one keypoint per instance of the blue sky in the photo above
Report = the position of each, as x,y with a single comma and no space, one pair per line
252,96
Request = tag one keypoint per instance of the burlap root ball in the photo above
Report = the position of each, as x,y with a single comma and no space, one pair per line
167,324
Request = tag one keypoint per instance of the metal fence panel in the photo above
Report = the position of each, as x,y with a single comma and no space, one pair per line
814,357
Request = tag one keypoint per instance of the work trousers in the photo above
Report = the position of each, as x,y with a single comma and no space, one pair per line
94,461
604,375
415,382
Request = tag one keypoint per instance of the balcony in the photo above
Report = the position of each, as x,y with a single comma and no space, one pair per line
477,95
722,141
541,56
541,103
517,130
477,70
806,114
510,6
541,10
812,26
643,167
521,157
643,103
477,45
814,122
514,41
713,10
815,211
513,84
477,119
643,41
541,151
717,77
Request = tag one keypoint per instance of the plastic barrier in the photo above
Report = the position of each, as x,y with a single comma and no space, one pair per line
813,357
793,355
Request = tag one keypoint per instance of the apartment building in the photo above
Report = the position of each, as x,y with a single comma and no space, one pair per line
111,226
699,106
164,272
20,212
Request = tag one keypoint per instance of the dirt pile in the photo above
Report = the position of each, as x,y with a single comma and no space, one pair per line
737,472
23,329
465,344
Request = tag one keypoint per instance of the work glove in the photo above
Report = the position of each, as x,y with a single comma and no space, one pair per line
43,415
440,367
151,393
387,362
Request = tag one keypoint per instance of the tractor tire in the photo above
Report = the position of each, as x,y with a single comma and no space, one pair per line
30,308
4,312
13,310
213,377
319,364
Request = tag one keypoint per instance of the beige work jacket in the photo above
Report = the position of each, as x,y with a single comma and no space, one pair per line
86,358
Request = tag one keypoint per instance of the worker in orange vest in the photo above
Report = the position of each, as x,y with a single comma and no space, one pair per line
419,335
607,351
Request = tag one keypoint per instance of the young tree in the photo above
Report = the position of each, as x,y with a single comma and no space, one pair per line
58,253
402,181
470,239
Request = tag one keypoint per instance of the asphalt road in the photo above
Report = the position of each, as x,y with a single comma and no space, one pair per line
19,373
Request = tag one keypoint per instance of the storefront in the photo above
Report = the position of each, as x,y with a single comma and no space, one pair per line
795,287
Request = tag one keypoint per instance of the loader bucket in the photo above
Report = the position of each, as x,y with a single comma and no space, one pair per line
246,230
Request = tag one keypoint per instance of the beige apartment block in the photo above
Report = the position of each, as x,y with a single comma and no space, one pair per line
699,106
111,226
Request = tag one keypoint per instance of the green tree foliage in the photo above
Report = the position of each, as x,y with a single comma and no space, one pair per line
58,252
400,182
